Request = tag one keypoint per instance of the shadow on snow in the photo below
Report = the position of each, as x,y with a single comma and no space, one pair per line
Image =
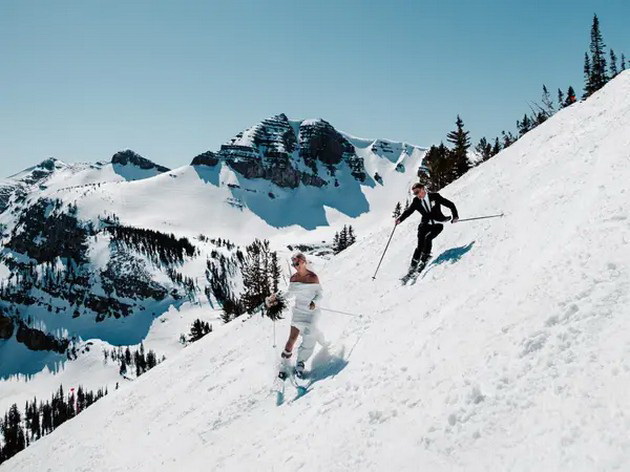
451,255
304,206
325,365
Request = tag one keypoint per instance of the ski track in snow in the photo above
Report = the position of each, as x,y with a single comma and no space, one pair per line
512,356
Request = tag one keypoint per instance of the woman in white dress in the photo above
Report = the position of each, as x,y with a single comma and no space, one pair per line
305,288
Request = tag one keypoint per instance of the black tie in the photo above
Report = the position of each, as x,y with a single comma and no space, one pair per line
426,206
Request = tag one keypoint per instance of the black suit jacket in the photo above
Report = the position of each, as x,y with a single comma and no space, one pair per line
435,214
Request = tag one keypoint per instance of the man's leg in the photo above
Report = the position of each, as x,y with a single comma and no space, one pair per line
432,232
423,230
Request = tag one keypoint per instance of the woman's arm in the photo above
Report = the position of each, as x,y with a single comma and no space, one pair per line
319,293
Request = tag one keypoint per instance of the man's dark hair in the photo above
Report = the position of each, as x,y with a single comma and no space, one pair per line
417,185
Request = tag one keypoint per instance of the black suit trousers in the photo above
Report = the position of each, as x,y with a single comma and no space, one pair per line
426,233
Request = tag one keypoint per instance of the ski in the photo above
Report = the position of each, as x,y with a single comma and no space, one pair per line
411,276
408,276
414,277
279,387
301,387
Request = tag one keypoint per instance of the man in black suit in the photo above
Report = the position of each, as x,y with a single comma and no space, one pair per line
429,205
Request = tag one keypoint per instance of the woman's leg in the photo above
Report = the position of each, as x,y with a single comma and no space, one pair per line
288,348
309,337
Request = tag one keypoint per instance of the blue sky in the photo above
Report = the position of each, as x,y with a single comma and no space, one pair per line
80,80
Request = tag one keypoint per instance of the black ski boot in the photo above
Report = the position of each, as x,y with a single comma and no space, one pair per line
299,370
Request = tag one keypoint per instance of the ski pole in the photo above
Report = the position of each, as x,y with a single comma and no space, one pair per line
480,218
386,246
342,312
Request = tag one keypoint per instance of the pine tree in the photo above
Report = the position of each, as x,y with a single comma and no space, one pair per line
623,63
46,412
588,86
441,166
152,360
461,142
197,331
14,437
508,138
598,57
539,118
343,238
547,102
351,236
257,275
336,248
275,272
226,316
524,125
570,97
71,413
484,149
128,355
496,148
560,99
80,399
613,64
397,210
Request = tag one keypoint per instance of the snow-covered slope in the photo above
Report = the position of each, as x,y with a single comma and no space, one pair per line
510,352
56,176
249,190
59,219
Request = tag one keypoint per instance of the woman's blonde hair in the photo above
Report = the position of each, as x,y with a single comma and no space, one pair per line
299,255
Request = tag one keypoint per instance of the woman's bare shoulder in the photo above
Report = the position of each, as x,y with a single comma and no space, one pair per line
308,278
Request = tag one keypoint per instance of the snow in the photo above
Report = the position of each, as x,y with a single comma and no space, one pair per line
511,352
90,369
219,202
77,175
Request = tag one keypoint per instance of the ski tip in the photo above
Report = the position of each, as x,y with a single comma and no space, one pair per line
279,398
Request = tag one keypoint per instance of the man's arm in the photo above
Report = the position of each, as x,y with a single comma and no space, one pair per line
448,204
405,214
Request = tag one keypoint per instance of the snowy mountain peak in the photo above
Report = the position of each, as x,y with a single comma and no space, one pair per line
291,153
207,158
129,157
38,172
51,163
